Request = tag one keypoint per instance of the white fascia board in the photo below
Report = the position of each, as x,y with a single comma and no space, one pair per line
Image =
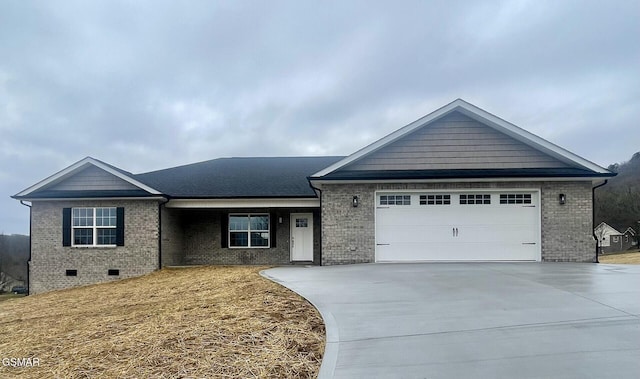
320,182
478,114
60,175
244,203
89,199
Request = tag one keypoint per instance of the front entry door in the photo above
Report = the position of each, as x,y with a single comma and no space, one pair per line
302,237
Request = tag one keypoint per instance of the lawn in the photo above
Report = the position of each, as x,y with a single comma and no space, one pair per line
626,258
196,322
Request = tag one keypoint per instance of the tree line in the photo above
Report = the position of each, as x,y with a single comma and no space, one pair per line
618,202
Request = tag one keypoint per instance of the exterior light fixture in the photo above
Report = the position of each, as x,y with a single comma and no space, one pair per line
355,201
562,198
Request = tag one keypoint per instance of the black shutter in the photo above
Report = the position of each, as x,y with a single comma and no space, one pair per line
66,226
224,226
119,226
274,228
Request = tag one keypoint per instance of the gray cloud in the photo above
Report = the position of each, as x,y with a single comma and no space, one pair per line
154,84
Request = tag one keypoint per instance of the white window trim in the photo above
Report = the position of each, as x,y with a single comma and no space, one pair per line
94,228
395,197
248,231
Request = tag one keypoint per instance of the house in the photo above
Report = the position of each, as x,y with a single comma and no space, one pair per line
603,233
459,184
611,241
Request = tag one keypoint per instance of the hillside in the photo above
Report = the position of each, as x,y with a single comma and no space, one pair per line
618,202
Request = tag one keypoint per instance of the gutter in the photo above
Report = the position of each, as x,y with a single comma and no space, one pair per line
593,216
319,191
30,234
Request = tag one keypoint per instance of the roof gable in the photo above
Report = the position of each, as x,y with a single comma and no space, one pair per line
605,229
537,151
88,177
456,142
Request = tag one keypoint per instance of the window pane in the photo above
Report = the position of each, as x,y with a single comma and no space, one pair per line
239,239
105,217
260,239
82,216
83,236
239,222
259,222
106,236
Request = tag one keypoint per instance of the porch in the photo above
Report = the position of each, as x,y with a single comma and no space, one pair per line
239,236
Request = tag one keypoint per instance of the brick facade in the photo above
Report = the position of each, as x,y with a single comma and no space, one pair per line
50,260
348,233
567,230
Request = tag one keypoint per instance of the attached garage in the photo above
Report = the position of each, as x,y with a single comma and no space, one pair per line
458,226
459,184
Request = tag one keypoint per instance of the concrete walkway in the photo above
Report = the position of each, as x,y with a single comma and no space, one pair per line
475,320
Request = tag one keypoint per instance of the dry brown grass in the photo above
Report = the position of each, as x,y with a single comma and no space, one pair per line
203,322
624,258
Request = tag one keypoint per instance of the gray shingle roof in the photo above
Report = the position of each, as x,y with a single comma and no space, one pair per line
239,177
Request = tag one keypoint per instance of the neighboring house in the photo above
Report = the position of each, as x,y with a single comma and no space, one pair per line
459,184
611,240
603,233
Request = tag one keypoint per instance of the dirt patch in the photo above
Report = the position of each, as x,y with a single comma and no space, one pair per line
623,258
175,323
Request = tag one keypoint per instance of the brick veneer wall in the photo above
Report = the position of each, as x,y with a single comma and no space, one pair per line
201,231
172,242
567,230
50,260
348,234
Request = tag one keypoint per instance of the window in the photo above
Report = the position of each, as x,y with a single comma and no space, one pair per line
475,199
302,223
93,226
71,272
249,230
515,198
435,199
395,200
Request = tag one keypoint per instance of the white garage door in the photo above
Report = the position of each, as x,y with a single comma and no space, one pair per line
464,226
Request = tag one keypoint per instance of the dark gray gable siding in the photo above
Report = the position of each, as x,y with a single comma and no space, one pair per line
93,178
455,142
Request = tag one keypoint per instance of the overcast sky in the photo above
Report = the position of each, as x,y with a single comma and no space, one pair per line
145,85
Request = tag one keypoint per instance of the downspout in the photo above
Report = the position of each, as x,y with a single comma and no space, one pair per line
29,261
160,204
319,191
593,216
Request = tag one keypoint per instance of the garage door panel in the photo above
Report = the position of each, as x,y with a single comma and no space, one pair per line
408,216
418,234
489,229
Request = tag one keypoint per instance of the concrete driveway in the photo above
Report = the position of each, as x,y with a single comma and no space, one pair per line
475,320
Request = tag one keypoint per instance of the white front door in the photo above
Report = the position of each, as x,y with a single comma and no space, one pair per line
301,237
